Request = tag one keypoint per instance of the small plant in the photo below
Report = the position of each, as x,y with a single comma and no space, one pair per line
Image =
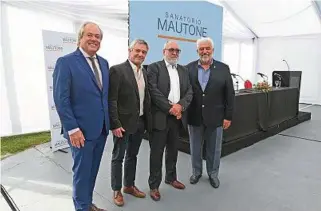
263,86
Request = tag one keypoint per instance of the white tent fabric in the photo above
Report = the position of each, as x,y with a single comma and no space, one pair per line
277,17
111,14
257,35
302,53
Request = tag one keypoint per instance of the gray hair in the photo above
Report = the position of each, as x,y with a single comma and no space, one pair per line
82,29
168,41
204,39
138,41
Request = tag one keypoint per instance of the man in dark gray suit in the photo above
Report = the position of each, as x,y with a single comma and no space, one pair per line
129,106
171,94
210,111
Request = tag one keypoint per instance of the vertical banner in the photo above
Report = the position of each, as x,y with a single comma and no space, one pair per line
183,21
56,44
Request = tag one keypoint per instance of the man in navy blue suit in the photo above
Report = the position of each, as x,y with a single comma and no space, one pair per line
210,111
80,87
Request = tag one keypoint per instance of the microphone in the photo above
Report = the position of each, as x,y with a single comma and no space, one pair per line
247,83
236,75
263,75
286,64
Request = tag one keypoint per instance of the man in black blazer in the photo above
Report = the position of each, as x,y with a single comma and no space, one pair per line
171,94
210,111
129,106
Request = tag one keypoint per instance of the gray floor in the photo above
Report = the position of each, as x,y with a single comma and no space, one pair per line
282,172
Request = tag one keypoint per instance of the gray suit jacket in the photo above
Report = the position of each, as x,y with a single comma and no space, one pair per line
159,88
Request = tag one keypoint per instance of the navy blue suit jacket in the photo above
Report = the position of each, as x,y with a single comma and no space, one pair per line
79,101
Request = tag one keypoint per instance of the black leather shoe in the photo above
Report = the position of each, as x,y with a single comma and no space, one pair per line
215,182
194,179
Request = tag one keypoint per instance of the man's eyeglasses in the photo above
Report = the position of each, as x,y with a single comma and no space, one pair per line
172,50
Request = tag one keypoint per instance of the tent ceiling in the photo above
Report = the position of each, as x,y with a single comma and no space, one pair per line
111,14
277,17
317,7
233,27
243,19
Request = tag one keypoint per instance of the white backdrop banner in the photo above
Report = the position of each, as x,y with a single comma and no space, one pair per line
56,44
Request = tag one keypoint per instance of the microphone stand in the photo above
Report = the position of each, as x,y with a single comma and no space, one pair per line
236,81
241,78
286,64
264,77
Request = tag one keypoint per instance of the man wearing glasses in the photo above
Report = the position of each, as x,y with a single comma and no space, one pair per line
171,94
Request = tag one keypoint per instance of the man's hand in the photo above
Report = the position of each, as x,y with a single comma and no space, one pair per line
118,132
176,110
226,124
77,139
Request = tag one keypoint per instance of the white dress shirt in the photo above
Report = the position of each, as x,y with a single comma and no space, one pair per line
91,67
174,93
139,76
90,64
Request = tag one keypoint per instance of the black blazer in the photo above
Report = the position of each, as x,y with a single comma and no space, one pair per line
159,88
216,103
124,104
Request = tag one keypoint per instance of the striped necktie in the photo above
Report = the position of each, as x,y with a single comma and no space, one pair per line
92,59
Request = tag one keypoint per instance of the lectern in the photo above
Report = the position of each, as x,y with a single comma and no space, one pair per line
287,79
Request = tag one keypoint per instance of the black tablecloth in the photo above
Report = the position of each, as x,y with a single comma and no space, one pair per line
258,111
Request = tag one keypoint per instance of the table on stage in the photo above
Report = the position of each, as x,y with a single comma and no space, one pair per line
255,113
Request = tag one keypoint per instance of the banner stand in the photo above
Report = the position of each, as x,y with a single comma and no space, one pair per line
56,44
60,150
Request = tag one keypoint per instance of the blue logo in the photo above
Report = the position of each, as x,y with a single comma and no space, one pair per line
69,40
53,48
181,25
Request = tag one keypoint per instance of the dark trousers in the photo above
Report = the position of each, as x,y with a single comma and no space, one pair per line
158,140
213,145
85,169
130,144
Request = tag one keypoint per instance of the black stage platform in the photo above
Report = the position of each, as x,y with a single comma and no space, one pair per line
257,116
247,140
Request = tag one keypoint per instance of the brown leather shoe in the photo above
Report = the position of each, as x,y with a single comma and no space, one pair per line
93,207
118,198
176,184
155,195
133,190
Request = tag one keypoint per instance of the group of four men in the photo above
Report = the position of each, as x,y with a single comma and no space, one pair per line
92,99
